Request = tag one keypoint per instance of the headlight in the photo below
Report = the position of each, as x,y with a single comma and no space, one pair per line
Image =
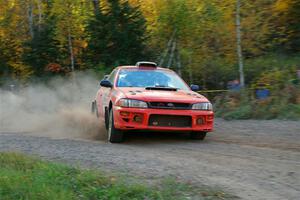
131,103
202,106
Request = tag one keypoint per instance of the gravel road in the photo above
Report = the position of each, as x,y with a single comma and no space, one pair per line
251,159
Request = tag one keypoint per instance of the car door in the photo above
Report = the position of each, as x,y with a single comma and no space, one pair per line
105,93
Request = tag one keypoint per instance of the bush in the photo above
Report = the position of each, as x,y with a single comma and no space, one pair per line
243,112
282,104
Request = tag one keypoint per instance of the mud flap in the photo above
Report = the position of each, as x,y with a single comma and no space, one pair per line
106,117
93,107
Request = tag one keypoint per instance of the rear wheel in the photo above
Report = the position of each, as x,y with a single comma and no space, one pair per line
198,135
114,135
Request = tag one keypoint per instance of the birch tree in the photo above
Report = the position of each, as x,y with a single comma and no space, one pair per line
71,16
239,43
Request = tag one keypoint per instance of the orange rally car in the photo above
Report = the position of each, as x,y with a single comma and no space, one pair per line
147,97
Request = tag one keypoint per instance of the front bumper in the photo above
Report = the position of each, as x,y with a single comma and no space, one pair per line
125,119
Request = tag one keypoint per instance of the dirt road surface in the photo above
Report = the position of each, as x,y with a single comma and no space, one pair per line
251,159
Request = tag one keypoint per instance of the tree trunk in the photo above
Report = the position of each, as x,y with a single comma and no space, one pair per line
239,43
172,54
163,57
30,18
96,4
179,66
71,50
190,70
39,4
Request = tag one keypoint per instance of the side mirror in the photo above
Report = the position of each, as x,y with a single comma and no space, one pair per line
195,88
106,83
105,76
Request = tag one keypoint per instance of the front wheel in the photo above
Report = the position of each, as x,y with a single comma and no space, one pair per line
114,135
198,135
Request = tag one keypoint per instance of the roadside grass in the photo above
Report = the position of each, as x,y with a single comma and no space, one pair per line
24,177
256,110
282,112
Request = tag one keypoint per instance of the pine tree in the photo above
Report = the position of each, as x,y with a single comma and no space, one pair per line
117,35
42,49
99,39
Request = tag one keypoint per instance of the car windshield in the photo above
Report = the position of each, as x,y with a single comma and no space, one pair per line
150,78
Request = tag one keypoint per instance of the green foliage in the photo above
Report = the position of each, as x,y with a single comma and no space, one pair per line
42,49
277,73
243,112
117,35
22,177
255,67
286,26
283,103
12,35
36,34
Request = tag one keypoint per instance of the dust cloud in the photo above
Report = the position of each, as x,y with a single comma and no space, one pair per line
60,109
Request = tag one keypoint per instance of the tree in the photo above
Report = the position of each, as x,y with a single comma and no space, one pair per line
239,42
42,48
13,31
286,25
117,35
71,20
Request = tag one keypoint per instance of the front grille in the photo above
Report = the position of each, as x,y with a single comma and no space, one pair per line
170,120
170,105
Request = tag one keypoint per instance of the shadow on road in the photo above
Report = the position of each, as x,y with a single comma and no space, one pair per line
159,137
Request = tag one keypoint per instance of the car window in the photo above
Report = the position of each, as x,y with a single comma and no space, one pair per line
150,78
112,76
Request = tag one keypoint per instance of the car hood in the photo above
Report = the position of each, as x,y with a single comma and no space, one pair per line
180,96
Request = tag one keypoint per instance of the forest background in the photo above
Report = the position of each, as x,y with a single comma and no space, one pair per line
208,42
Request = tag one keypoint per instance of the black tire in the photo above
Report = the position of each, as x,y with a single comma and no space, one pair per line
198,135
114,135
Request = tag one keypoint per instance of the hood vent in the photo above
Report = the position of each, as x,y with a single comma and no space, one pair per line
161,88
